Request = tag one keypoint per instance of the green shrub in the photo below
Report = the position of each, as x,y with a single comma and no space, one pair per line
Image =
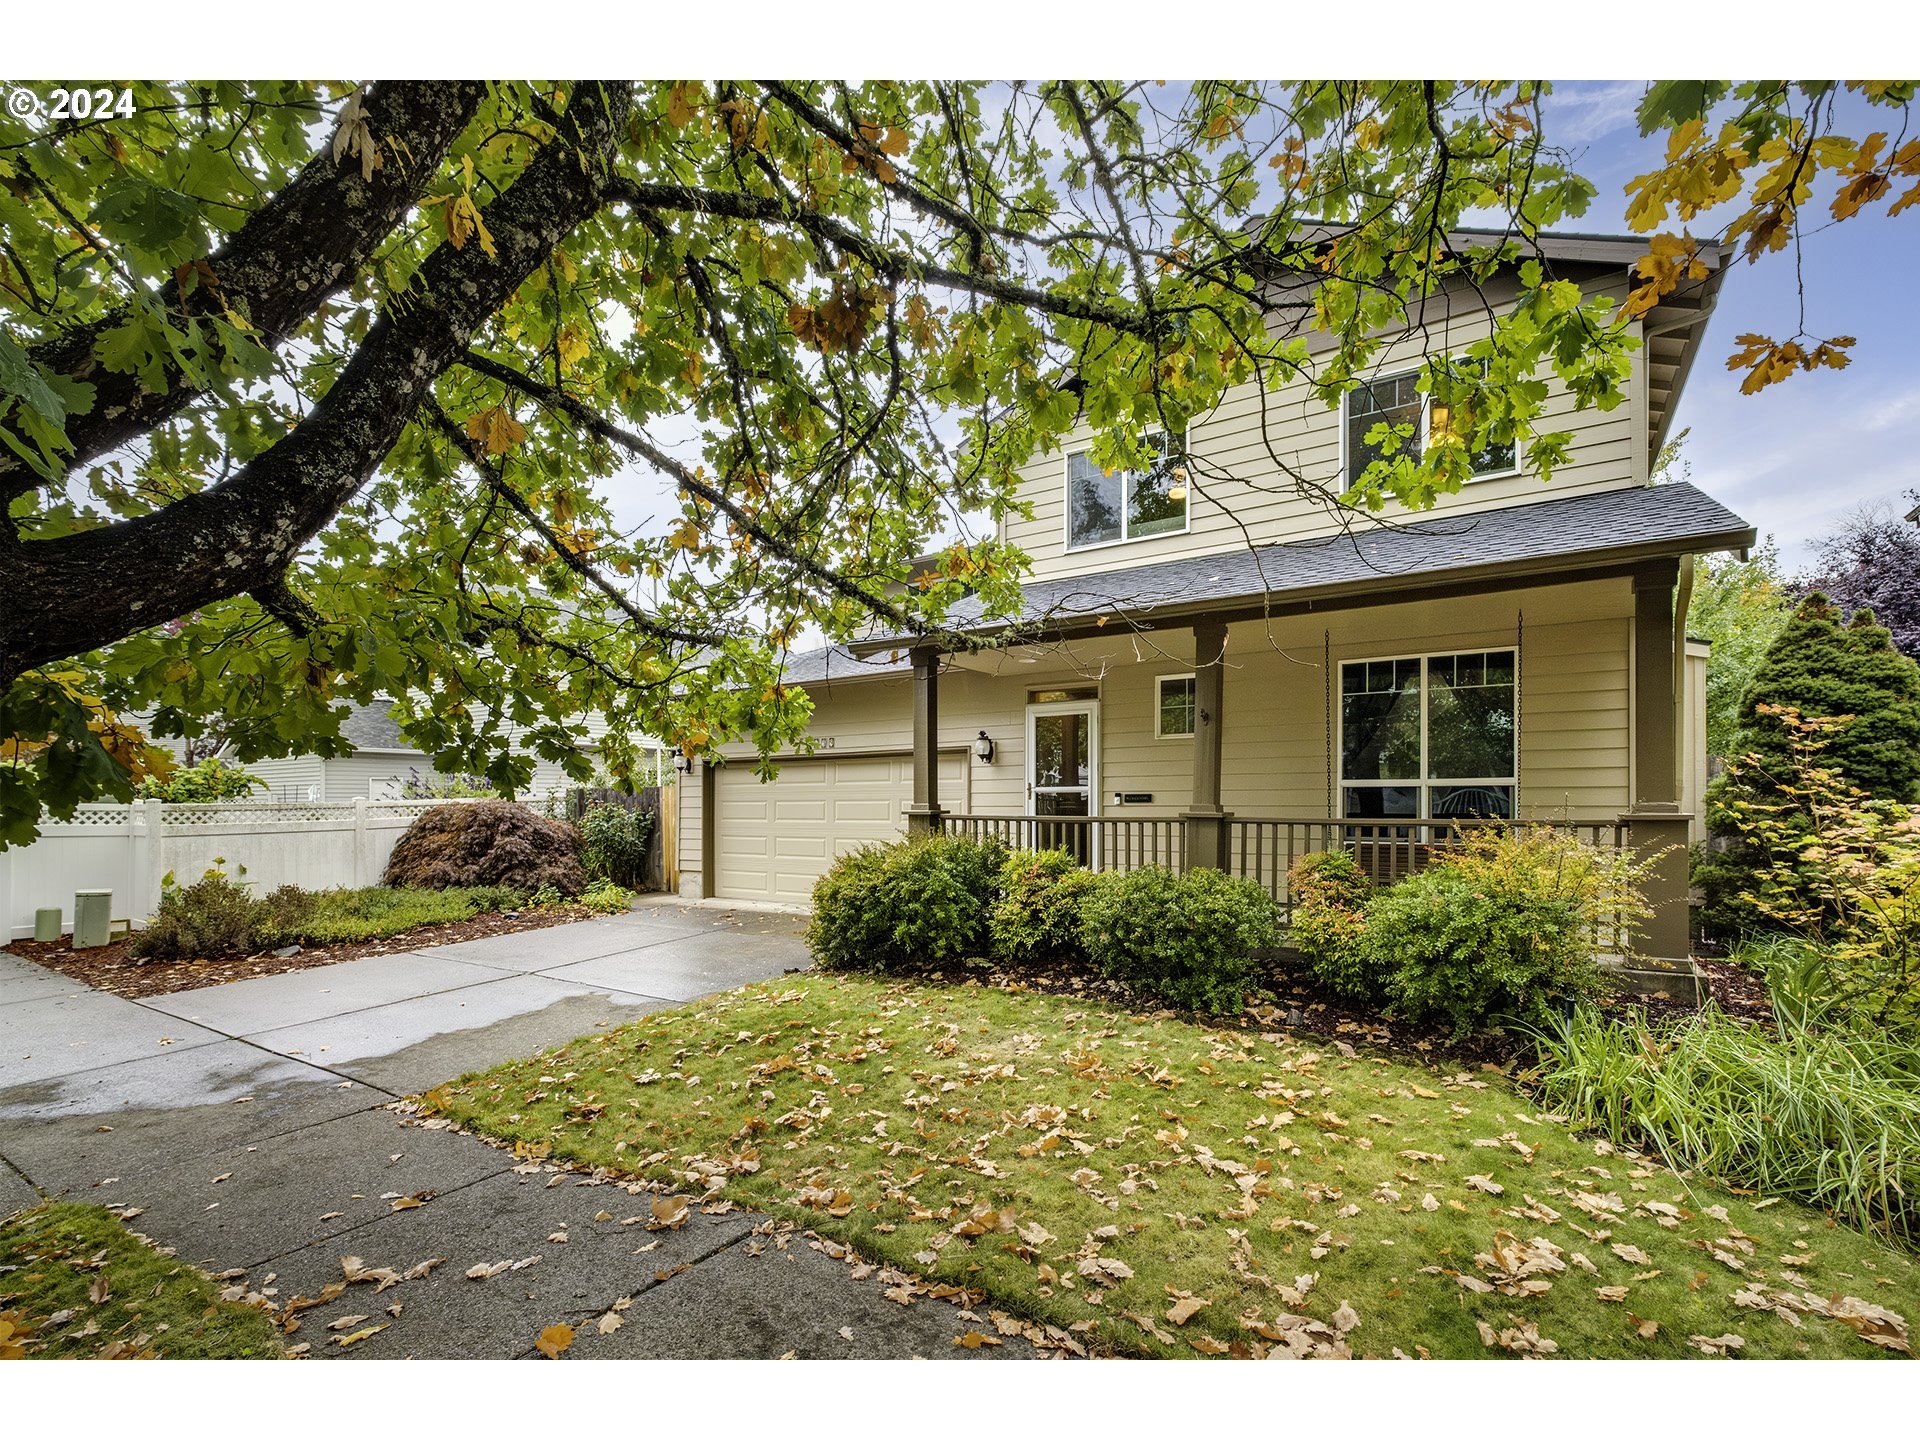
1832,1118
894,907
1185,940
1036,920
1836,874
212,779
603,897
613,843
1502,927
377,912
1458,952
208,920
1846,689
1330,893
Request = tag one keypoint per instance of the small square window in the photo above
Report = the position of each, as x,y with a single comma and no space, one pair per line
1174,707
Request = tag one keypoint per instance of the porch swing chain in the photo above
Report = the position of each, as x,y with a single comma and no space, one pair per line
1326,672
1519,640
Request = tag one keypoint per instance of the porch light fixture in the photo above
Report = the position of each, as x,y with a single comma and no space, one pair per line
983,748
683,763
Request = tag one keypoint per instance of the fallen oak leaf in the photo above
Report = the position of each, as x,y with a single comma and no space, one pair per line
553,1340
973,1340
1717,1344
1644,1328
1185,1307
347,1322
343,1341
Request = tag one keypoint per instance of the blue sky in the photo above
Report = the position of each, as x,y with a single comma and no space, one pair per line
1797,458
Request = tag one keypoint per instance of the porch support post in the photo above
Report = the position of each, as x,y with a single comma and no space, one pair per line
924,814
1206,820
1657,828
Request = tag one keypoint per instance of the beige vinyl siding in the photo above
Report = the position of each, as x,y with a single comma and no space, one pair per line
1249,455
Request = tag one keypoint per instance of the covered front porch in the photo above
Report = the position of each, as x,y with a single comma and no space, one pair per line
1542,694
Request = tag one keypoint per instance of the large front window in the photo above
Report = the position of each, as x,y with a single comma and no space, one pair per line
1428,735
1105,506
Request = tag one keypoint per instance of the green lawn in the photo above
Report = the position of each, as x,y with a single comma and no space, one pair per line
76,1283
1164,1189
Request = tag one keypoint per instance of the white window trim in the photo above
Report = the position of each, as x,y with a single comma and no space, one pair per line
1347,478
1423,782
1158,710
1066,502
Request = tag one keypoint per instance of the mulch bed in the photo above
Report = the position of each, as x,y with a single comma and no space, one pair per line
113,969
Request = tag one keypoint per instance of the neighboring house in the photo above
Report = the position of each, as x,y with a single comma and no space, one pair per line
1225,673
381,765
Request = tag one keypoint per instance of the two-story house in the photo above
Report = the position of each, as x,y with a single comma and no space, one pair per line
1226,672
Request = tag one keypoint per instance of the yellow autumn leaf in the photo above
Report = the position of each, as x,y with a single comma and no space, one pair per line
496,430
553,1340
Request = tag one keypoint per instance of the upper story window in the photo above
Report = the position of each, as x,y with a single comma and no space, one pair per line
1429,735
1105,507
1396,400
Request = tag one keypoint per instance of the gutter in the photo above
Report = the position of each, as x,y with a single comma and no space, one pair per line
1256,604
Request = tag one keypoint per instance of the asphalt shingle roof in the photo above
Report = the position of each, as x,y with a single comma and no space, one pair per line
1579,529
372,727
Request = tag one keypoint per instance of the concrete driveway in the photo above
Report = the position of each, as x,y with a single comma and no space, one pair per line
248,1124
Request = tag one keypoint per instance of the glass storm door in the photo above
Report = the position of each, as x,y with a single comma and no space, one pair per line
1063,745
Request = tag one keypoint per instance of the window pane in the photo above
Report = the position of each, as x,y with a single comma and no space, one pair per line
1060,750
1378,802
1473,802
1380,720
1394,400
1157,499
1093,502
1176,706
1494,459
1470,719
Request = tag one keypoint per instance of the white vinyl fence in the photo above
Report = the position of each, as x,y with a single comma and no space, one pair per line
128,849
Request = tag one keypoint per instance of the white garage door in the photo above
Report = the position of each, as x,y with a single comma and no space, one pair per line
774,839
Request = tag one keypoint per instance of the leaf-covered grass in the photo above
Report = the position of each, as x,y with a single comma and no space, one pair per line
349,917
76,1283
1163,1189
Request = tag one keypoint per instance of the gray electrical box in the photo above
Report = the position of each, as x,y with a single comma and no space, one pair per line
92,918
46,923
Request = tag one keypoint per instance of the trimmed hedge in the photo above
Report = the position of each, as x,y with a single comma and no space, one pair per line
1184,940
897,907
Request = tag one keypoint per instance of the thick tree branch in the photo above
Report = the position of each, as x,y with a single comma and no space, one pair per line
307,241
227,539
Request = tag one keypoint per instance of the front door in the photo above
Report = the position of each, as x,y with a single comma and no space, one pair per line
1063,748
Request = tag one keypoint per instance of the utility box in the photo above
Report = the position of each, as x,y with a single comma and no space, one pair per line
46,923
92,918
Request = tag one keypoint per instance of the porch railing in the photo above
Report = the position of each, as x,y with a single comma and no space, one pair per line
1099,842
1262,849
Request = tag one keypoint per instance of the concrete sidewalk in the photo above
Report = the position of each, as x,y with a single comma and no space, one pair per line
247,1125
